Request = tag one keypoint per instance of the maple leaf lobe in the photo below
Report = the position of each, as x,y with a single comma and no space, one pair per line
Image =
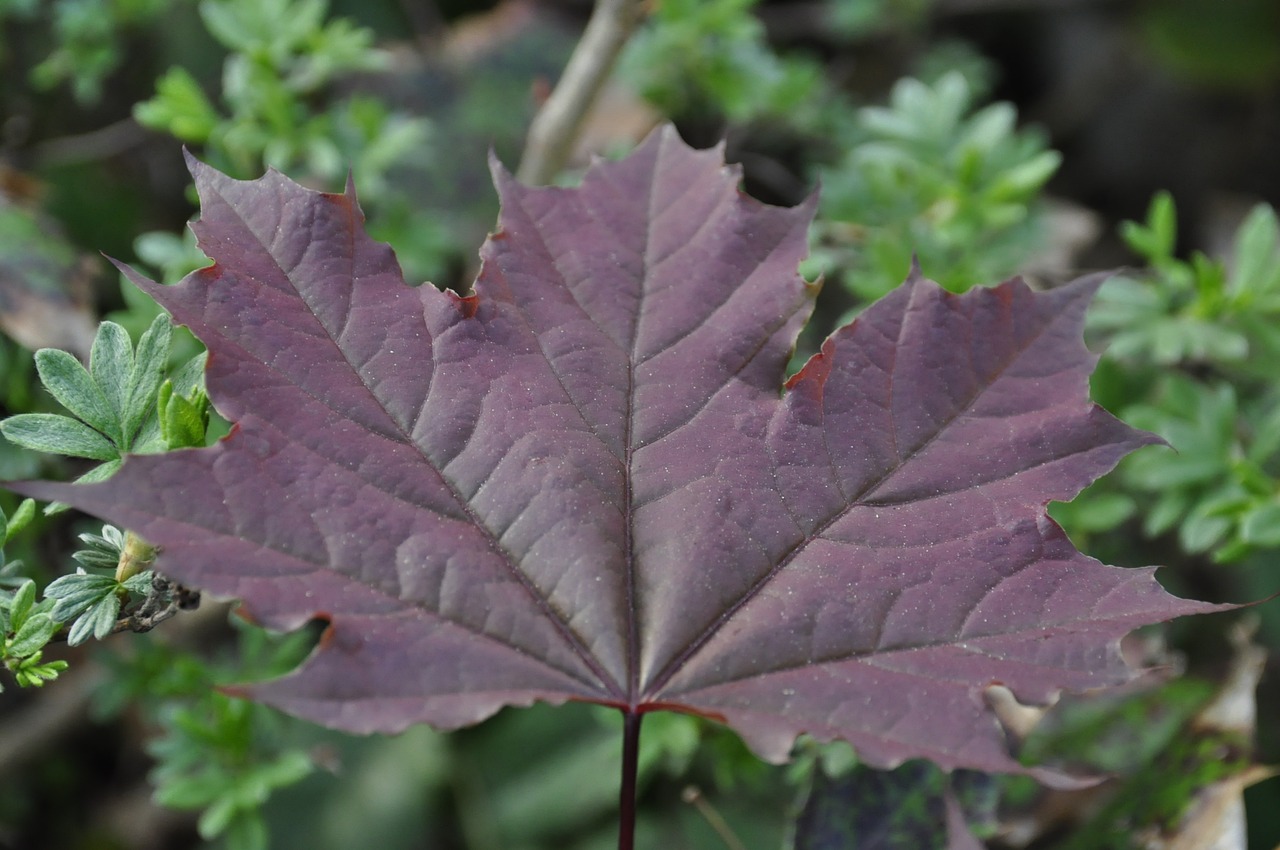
584,481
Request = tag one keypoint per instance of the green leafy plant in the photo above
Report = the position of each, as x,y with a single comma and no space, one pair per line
1167,749
695,55
931,177
92,602
212,751
112,402
283,55
121,403
1220,491
226,756
288,100
25,628
857,18
25,625
9,527
1189,348
215,753
1223,313
87,38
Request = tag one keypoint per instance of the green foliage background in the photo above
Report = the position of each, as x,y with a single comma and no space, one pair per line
918,158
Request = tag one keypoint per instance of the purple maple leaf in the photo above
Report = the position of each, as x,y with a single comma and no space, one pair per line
587,481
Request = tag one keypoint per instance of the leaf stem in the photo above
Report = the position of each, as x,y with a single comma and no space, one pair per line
693,796
630,767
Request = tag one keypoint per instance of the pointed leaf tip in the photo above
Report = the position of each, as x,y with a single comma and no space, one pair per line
914,273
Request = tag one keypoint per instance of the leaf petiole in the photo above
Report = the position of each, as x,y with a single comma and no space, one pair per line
630,766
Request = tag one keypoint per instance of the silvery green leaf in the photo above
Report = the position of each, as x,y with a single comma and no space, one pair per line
75,594
100,473
71,384
1256,250
104,616
20,606
190,375
147,373
98,621
110,364
21,519
33,635
111,540
95,559
58,434
140,583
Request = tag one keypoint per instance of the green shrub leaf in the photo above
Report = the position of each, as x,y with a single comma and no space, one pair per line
57,434
75,389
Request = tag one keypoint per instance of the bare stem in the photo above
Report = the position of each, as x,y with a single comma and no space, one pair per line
555,127
693,795
630,766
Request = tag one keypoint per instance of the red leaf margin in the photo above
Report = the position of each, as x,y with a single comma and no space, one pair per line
855,558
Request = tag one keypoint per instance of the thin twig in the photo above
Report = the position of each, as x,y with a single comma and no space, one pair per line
165,599
93,146
554,128
693,795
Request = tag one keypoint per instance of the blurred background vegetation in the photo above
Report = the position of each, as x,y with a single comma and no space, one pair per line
985,137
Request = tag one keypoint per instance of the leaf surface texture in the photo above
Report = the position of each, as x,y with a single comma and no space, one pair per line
587,481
